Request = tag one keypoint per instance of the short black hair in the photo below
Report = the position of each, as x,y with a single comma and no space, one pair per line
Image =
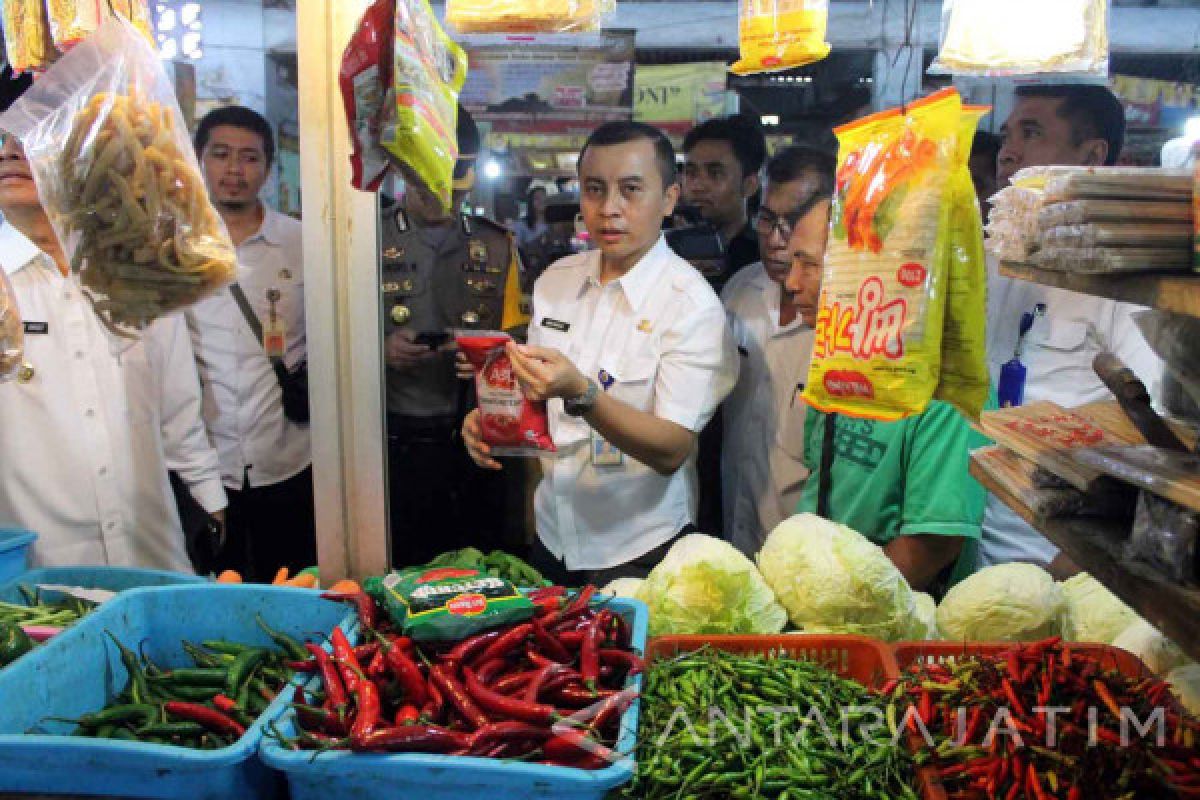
799,161
624,131
238,117
1093,111
12,86
986,144
744,135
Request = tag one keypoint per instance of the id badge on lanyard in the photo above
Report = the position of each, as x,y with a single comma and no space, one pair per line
275,330
604,454
1011,390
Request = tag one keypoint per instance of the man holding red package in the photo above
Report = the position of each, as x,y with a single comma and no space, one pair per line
630,349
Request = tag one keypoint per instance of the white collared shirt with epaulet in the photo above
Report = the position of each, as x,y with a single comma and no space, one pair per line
656,339
88,434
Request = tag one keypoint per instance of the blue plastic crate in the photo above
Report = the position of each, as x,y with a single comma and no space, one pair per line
439,777
114,579
80,671
14,551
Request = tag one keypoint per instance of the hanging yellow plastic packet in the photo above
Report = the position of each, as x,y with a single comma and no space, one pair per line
72,21
428,73
780,34
27,42
527,16
878,347
964,377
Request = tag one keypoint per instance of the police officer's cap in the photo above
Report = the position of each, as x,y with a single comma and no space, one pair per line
468,150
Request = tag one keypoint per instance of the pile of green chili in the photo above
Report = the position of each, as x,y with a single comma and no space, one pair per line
718,724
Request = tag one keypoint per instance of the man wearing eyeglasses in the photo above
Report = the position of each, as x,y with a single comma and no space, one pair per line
762,462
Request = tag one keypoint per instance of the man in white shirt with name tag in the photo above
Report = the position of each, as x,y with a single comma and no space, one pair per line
631,348
250,344
87,434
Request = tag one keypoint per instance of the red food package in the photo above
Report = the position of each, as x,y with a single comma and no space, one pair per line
366,83
512,425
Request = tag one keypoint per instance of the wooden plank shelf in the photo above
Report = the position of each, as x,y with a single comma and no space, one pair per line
1097,545
1177,292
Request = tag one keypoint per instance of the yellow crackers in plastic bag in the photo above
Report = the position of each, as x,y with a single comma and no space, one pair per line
428,73
879,334
527,16
780,34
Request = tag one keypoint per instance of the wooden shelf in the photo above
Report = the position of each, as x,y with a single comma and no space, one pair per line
1097,545
1179,292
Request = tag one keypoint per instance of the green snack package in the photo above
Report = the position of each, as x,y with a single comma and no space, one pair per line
448,603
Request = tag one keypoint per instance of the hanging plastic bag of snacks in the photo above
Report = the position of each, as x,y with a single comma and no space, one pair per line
527,16
12,331
118,176
365,79
780,34
72,21
27,42
428,71
1013,37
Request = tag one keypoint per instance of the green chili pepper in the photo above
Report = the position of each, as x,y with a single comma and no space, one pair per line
14,643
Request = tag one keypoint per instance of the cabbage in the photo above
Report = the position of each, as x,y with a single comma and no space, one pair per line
925,619
1156,651
1093,613
832,580
705,585
1007,602
1185,681
623,587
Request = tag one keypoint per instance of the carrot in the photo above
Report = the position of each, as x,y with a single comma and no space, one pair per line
346,586
281,576
305,580
229,576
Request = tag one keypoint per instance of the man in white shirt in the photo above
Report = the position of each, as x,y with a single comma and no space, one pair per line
631,348
1056,125
762,459
247,354
87,435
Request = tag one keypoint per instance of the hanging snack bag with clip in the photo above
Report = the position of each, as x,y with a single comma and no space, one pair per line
527,16
365,79
878,346
512,424
780,34
448,603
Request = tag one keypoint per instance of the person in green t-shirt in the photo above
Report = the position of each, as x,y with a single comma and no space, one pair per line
904,485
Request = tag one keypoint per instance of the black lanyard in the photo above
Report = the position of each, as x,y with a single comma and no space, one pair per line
825,479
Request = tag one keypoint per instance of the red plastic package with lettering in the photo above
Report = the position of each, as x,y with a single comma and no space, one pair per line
512,424
365,79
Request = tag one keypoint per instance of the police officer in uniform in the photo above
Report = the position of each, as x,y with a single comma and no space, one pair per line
441,272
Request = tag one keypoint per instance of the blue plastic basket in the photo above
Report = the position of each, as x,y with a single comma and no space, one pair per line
114,579
438,777
14,551
80,671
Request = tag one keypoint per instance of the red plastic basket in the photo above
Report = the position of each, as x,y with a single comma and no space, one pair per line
909,653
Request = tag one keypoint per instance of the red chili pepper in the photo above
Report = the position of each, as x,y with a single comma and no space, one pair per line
1011,694
889,687
505,706
435,704
974,725
343,656
507,642
452,690
408,674
488,671
1107,698
335,690
514,681
407,715
537,659
301,666
612,706
324,719
570,745
925,707
581,600
589,655
369,709
551,647
622,634
412,739
466,650
1035,784
377,667
572,640
576,696
507,731
622,658
368,611
208,717
535,686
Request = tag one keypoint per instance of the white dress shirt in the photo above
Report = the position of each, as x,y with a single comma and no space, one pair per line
658,338
1057,354
762,455
243,404
87,441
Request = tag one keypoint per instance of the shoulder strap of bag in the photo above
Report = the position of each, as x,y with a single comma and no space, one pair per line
825,479
247,311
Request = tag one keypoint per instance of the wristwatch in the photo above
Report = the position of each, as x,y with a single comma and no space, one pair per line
581,404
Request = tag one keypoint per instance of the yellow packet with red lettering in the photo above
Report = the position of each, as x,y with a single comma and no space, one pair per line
780,34
877,351
964,379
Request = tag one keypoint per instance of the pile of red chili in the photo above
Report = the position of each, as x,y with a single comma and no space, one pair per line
1044,720
503,693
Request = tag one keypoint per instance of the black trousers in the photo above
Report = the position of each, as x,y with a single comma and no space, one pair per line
553,569
268,527
438,499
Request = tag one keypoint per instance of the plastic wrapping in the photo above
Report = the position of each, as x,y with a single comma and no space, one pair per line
1164,536
119,179
878,346
986,37
365,79
1100,260
72,21
780,34
1111,183
527,16
27,42
428,71
12,331
1175,338
1156,235
512,424
1082,212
